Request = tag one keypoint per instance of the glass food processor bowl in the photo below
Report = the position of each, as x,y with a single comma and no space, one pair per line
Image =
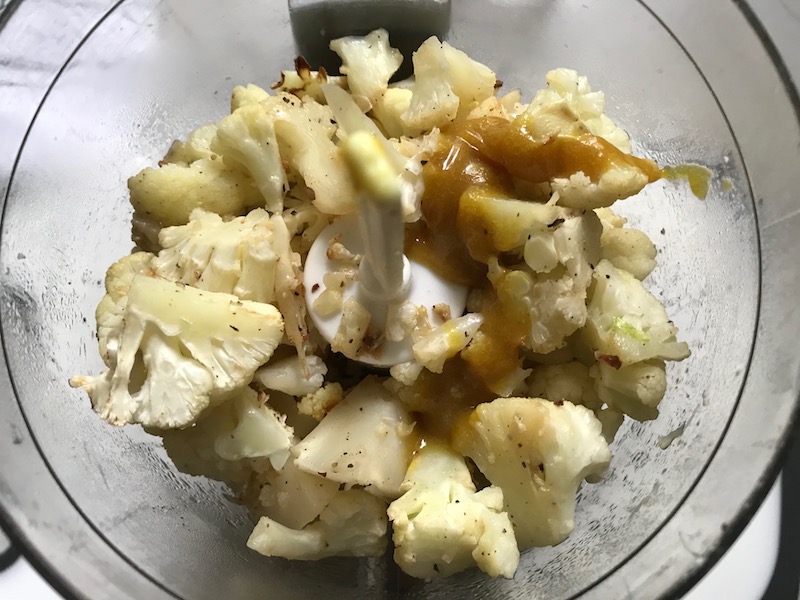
93,91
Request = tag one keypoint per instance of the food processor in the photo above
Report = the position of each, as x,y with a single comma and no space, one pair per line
94,91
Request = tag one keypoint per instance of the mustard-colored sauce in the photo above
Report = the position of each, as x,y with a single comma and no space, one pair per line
494,353
439,401
698,177
434,241
726,185
512,145
487,152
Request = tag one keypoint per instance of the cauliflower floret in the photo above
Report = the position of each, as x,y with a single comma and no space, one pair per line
178,348
553,143
351,120
242,427
353,327
538,452
419,147
558,301
287,375
369,63
251,429
635,390
119,277
338,252
353,524
304,221
609,218
546,236
196,146
406,373
331,300
304,129
555,300
628,322
442,526
630,250
558,309
236,257
320,403
364,440
304,82
433,103
256,136
540,252
402,319
537,311
168,195
512,103
109,320
290,496
247,141
567,381
447,340
503,382
491,224
448,84
570,102
617,182
389,108
249,94
471,81
491,107
493,354
412,184
288,286
577,245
